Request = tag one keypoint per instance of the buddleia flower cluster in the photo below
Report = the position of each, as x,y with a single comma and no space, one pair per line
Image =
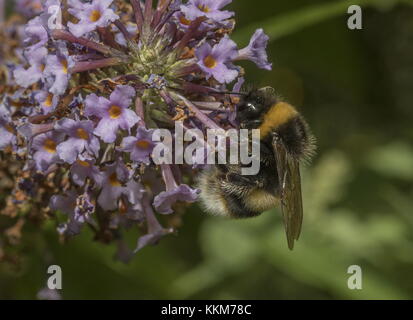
84,86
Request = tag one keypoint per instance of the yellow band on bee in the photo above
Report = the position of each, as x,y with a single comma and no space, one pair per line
279,114
261,200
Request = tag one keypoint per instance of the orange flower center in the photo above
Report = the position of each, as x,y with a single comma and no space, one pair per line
210,62
42,67
9,128
123,208
15,103
115,111
143,144
50,146
82,134
65,65
49,100
83,163
113,180
204,8
95,15
37,6
8,149
184,20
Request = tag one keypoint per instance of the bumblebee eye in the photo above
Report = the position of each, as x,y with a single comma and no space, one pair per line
252,107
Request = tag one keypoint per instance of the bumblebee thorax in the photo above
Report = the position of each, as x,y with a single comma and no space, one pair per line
254,106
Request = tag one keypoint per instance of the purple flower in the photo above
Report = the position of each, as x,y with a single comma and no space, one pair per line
132,28
37,61
173,193
113,113
130,214
208,8
29,8
91,16
36,34
83,210
79,209
256,50
29,130
141,146
85,168
57,71
232,114
81,139
184,23
47,100
49,3
116,176
155,230
45,146
166,199
216,61
134,193
7,135
64,203
238,85
130,206
7,131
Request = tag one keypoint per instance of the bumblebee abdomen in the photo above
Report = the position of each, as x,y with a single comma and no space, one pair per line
260,200
296,137
212,198
222,197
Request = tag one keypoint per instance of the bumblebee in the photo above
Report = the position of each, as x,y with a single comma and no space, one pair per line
285,142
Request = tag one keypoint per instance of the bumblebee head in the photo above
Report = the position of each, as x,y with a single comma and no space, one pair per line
254,105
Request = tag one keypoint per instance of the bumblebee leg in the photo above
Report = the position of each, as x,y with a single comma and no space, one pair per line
253,123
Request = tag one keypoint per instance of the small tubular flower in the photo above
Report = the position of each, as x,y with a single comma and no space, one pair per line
91,15
217,61
80,139
113,112
208,8
256,51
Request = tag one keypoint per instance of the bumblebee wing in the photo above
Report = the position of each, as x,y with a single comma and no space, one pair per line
288,169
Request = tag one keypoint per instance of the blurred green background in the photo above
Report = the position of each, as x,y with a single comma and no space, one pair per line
356,90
